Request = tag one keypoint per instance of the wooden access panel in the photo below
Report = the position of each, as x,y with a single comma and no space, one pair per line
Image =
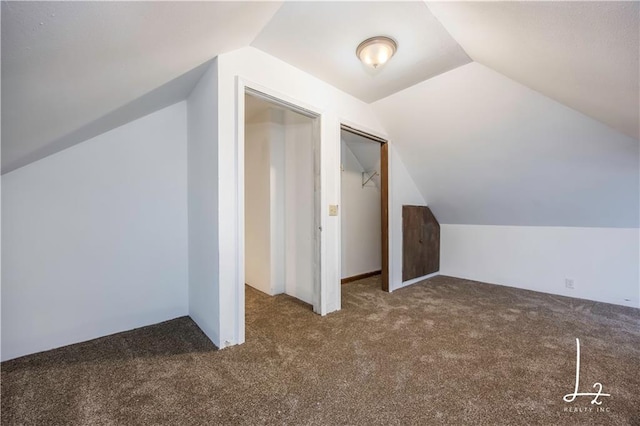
384,198
420,242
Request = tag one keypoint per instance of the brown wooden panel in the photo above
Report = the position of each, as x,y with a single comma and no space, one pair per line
384,197
359,277
420,242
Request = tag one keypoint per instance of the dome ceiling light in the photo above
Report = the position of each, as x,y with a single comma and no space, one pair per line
376,51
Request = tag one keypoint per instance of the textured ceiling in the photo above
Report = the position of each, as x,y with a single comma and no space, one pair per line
66,64
321,38
583,54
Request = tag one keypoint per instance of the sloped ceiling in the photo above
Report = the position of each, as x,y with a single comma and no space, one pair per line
582,54
321,38
366,153
66,64
486,150
71,69
168,94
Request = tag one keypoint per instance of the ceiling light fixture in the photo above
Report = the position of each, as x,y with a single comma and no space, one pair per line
375,51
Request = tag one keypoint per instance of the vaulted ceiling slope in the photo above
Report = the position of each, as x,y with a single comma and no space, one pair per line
73,69
321,39
486,150
365,152
67,64
585,55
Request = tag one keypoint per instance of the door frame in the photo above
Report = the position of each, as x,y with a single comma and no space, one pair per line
244,86
384,194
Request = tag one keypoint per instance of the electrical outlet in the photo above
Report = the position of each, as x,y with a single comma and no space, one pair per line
568,283
333,210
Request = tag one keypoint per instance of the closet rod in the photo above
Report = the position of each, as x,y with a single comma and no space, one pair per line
363,134
364,182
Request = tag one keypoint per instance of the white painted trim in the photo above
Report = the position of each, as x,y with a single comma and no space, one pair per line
319,301
362,128
324,223
320,276
243,83
239,287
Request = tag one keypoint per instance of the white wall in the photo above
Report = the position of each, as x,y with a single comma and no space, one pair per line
485,150
293,85
299,207
402,191
202,132
277,209
279,203
94,237
585,55
360,216
257,196
602,262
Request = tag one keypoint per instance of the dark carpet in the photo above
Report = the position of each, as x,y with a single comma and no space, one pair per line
446,351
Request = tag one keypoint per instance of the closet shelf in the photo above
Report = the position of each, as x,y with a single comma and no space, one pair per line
369,176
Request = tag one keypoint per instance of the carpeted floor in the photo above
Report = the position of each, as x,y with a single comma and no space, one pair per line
446,351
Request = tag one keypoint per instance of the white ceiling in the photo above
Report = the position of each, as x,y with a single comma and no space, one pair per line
583,54
321,39
486,150
366,153
66,64
71,69
258,110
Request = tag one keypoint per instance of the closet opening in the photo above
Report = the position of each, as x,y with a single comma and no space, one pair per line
365,207
281,200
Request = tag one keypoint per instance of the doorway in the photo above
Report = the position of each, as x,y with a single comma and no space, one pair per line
281,198
365,201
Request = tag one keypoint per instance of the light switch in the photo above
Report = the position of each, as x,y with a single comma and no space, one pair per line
333,210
